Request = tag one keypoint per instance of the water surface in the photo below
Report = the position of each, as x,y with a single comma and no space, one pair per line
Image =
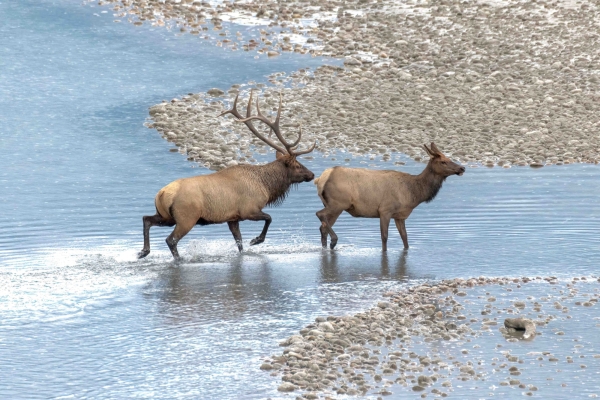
81,317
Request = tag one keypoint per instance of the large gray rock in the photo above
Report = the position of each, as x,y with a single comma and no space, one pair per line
521,324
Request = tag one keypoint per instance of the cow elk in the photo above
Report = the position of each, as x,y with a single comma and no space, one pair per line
233,194
380,194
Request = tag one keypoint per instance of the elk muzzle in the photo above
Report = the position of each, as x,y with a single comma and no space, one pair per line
309,177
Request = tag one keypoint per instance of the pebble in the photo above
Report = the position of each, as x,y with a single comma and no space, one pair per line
477,97
400,323
287,387
215,92
540,114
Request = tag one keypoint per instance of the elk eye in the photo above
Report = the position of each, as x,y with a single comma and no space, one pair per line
444,162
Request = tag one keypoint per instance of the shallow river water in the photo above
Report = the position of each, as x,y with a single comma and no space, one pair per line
81,317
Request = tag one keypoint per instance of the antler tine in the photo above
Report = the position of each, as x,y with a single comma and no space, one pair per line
249,109
233,108
290,148
279,110
278,132
273,125
246,121
299,153
277,122
295,144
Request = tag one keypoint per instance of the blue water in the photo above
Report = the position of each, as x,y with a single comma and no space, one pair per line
77,161
81,317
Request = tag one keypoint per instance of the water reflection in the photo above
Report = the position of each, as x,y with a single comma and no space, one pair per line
399,270
329,267
95,170
222,292
391,266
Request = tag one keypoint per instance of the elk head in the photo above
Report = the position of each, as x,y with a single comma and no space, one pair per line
441,164
297,172
287,154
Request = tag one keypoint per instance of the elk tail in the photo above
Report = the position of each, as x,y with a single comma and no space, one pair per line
321,181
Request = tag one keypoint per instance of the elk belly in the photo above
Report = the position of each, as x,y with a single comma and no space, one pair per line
363,212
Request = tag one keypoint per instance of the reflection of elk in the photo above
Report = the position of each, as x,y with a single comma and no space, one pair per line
380,194
231,195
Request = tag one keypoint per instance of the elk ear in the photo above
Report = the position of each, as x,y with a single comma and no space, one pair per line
431,154
279,155
435,150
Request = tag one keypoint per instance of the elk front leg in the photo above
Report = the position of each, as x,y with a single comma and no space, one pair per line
402,230
234,227
149,222
384,224
261,217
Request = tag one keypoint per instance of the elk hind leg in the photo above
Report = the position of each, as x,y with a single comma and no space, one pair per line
261,216
149,222
384,224
181,229
400,224
323,229
328,218
234,227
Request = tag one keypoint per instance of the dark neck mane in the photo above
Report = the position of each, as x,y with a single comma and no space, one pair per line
428,185
275,176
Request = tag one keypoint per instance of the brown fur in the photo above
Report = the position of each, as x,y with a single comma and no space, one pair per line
231,195
226,195
380,194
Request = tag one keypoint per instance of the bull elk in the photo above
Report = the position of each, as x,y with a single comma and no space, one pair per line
233,194
380,194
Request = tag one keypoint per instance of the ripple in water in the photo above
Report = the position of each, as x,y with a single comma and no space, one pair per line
81,317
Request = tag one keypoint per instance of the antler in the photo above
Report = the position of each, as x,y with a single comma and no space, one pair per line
290,147
311,148
246,120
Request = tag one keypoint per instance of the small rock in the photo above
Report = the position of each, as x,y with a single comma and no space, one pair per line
352,61
214,92
287,387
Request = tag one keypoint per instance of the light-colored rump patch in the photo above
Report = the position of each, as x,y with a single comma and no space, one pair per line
321,181
164,199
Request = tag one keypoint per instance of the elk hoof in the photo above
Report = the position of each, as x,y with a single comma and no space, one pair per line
257,240
143,253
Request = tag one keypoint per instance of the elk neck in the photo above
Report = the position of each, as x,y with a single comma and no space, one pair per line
275,176
427,185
